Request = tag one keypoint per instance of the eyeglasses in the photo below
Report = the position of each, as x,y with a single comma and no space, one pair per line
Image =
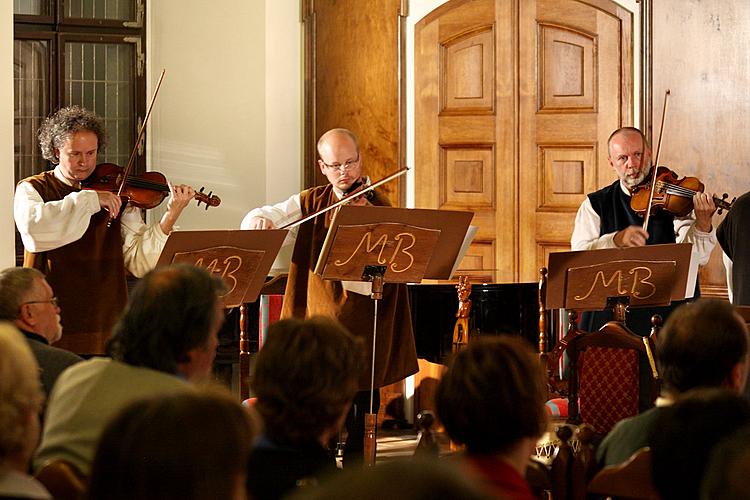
342,167
52,301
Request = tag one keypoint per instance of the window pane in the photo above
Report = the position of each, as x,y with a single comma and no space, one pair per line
116,10
99,77
31,7
31,81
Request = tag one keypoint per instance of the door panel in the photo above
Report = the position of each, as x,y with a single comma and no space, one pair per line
519,139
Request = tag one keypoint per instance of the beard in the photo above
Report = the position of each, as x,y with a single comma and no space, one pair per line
631,182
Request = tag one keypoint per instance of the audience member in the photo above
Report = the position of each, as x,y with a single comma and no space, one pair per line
185,446
305,380
20,402
491,399
702,344
167,336
728,469
27,300
684,435
412,479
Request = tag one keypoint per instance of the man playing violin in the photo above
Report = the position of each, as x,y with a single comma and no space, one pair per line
66,234
605,219
307,294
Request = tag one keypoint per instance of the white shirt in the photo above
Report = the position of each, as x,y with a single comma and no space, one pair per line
587,227
47,226
289,211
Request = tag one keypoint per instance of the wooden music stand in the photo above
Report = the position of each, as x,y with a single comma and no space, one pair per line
397,245
241,257
637,276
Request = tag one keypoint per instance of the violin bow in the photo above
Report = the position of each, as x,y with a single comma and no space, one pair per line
346,198
656,159
131,161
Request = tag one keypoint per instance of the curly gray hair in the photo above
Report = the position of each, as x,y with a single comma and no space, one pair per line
58,127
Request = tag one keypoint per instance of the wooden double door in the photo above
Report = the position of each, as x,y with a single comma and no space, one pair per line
515,100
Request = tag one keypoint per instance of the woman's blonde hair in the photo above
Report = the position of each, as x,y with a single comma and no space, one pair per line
20,389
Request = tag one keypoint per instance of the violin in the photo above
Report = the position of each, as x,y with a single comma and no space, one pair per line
147,190
671,194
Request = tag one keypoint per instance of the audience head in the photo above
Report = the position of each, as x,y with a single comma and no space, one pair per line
684,435
703,344
191,445
729,468
492,395
27,300
171,322
305,379
21,399
412,479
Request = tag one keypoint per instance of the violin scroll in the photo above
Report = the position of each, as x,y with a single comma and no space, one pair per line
210,199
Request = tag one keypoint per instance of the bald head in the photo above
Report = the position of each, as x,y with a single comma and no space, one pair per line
339,161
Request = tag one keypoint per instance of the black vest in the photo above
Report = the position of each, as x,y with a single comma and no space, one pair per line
613,207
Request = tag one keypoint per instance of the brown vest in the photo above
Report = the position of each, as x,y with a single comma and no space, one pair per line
307,294
87,276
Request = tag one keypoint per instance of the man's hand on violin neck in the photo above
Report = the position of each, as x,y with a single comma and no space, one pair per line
181,195
109,202
704,208
631,236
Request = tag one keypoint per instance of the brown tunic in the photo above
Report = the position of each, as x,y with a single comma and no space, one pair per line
307,294
87,276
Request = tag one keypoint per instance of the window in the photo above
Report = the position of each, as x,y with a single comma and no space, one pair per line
85,52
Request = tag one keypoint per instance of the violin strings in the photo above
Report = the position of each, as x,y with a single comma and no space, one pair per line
674,189
136,182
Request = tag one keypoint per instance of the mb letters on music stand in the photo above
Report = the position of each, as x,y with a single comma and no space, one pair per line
394,245
243,258
651,275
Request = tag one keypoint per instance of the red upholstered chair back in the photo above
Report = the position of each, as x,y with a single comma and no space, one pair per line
608,385
605,375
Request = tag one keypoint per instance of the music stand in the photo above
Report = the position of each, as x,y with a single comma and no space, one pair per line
397,245
651,275
241,257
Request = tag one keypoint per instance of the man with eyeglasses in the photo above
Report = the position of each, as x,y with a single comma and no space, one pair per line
27,300
606,220
307,294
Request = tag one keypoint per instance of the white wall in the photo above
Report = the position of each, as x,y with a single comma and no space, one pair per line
228,115
7,243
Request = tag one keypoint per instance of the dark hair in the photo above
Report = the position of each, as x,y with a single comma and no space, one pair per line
305,378
171,311
684,435
492,395
15,284
700,344
405,479
191,445
728,468
58,128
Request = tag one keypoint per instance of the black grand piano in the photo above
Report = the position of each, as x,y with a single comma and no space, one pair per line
497,308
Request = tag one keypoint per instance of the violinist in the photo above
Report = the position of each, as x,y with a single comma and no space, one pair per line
66,234
605,219
735,246
307,294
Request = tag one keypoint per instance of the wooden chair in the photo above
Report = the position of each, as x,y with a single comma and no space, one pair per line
604,368
628,481
63,480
